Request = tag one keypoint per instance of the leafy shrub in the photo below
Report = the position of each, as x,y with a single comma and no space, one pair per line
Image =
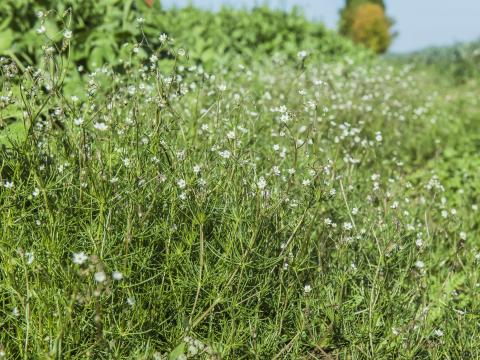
101,28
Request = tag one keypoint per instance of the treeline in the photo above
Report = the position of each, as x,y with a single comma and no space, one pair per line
459,63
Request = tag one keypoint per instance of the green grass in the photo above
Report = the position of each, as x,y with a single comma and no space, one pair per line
275,210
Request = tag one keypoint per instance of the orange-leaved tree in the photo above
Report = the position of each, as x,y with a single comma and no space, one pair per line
366,23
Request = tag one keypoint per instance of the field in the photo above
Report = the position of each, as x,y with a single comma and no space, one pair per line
176,194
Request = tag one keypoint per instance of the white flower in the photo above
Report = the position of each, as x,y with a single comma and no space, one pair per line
131,90
261,183
15,312
181,52
41,30
192,350
36,192
100,126
285,118
8,184
347,226
163,38
231,135
78,121
302,54
378,136
140,20
181,155
30,257
225,154
196,169
354,211
79,258
131,301
463,235
100,276
117,275
438,333
419,264
307,288
306,182
67,34
181,183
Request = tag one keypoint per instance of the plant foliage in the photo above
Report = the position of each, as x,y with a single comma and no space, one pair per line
102,28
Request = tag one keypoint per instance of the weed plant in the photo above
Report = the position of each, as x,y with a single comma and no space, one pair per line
266,210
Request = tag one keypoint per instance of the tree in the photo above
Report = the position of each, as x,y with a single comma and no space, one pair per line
361,2
365,22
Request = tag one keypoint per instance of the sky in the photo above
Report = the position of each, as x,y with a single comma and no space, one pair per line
419,23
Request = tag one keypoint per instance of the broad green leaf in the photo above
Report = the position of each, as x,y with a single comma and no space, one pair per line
6,40
177,352
14,131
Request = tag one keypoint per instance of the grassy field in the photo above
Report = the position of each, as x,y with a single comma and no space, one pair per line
275,208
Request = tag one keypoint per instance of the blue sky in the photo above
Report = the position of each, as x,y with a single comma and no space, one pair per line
420,23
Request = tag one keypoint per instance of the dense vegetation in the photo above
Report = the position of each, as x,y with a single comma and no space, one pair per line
286,196
102,28
459,64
